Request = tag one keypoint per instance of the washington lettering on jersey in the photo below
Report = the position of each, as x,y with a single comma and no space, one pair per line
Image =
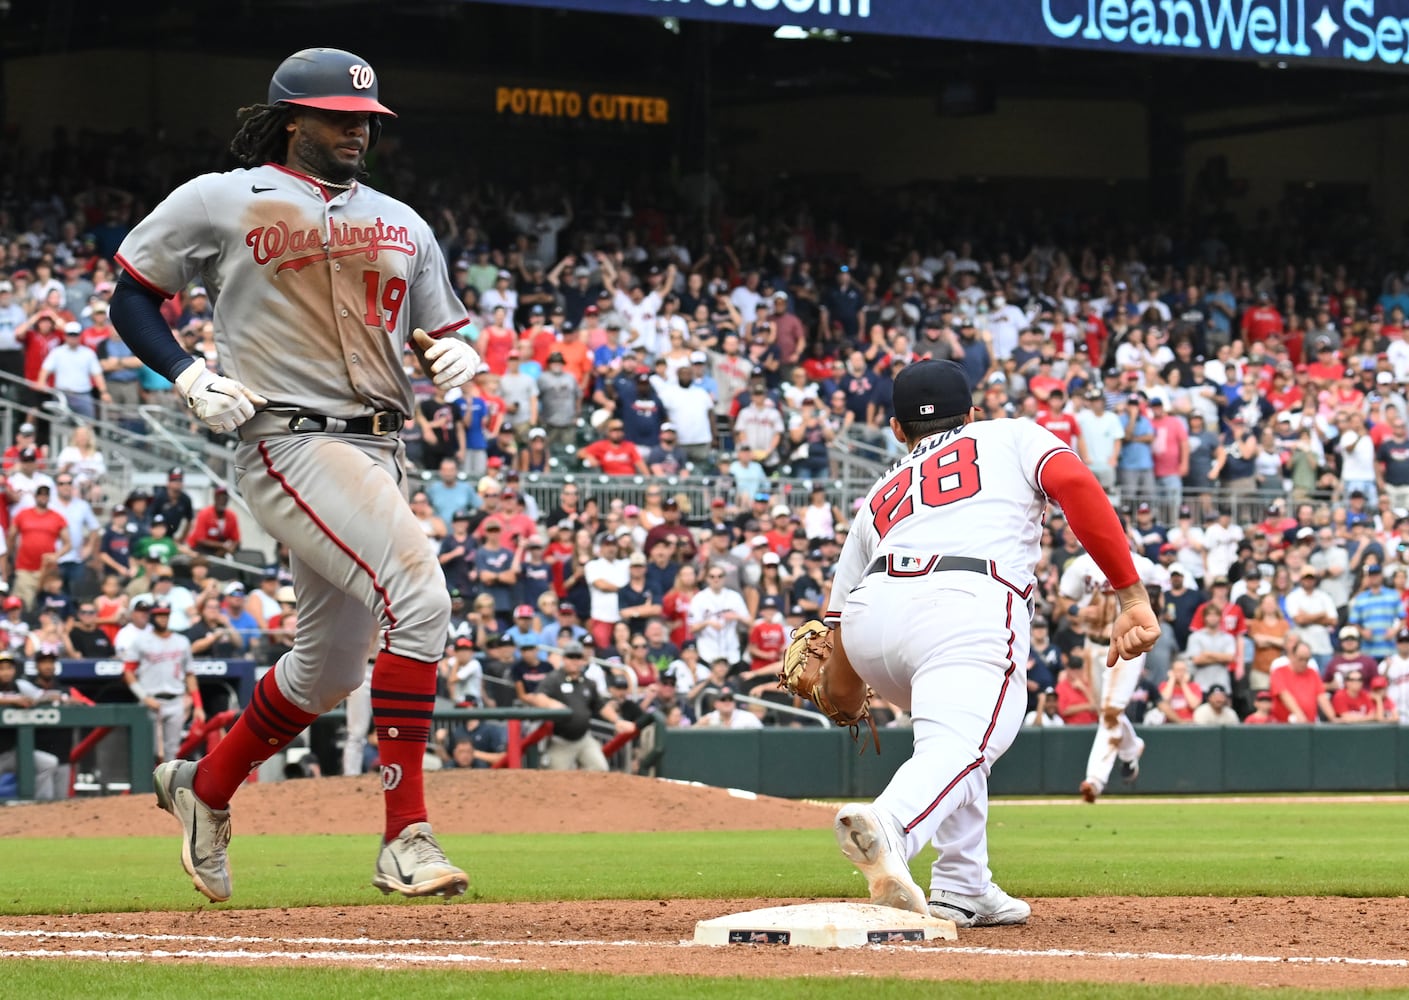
268,243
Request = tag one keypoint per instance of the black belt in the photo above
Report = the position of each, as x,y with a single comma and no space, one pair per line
165,697
380,424
943,564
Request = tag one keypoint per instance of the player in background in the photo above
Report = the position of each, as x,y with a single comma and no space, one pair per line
1086,591
157,670
320,283
932,598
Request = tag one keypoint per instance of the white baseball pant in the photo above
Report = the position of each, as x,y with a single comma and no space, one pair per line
1115,736
359,718
167,723
951,649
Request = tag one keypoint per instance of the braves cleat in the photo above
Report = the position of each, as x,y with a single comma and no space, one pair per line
414,865
207,830
873,845
990,909
1130,769
1090,791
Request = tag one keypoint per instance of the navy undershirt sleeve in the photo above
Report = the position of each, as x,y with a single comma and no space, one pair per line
136,314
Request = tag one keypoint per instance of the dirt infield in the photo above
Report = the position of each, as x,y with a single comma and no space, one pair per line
1298,942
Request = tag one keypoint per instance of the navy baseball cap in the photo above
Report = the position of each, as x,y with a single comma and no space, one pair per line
932,390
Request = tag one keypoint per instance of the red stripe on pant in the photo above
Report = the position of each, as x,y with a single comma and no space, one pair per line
987,733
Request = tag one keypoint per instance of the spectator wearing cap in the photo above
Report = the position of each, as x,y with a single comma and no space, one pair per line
1394,671
38,538
559,401
1147,533
781,530
457,554
525,630
690,409
1298,693
715,617
636,600
614,455
1103,434
572,746
1212,652
1170,450
482,419
73,370
564,627
216,531
25,478
672,527
726,714
1353,703
174,504
810,588
497,568
748,477
85,634
1392,460
759,426
1262,710
768,638
157,547
1044,663
667,458
535,572
1378,610
1215,710
1135,465
605,575
1351,656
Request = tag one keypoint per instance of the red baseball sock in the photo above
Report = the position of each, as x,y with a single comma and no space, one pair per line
270,723
403,698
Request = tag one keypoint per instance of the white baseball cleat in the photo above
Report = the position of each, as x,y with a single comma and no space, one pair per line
414,865
990,909
873,845
206,830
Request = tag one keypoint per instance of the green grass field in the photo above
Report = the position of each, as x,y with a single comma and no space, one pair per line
1137,848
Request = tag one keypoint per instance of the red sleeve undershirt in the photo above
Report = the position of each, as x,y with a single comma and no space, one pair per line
1088,511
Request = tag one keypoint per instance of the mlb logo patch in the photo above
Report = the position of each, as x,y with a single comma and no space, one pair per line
927,410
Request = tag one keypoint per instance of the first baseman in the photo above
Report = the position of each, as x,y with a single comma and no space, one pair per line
933,603
320,281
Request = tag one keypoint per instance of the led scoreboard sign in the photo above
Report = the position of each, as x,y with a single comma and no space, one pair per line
1373,34
539,102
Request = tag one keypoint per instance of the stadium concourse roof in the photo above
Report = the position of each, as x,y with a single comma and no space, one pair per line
1033,48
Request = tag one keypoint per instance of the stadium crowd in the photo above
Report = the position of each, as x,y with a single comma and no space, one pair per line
640,486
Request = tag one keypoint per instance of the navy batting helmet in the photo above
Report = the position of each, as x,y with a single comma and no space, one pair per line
331,79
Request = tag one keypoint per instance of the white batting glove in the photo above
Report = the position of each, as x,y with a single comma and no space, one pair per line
221,403
449,361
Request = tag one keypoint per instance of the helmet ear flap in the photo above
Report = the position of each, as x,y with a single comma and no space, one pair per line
374,130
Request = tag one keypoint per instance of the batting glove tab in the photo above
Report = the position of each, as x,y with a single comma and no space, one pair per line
449,361
221,403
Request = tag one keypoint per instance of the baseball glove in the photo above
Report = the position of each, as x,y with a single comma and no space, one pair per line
811,652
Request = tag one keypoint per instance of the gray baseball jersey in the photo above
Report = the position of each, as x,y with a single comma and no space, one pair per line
314,298
162,662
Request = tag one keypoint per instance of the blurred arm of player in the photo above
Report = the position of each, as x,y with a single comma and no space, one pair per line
1089,513
449,361
221,403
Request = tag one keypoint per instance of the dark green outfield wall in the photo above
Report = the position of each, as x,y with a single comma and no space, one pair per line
814,763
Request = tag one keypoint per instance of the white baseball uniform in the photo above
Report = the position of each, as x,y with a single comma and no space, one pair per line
1082,582
162,665
933,593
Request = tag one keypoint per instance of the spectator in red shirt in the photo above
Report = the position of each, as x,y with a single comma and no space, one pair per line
1171,454
615,455
1262,320
24,438
1075,703
216,529
37,537
780,536
1180,692
1062,422
1262,711
1297,689
769,636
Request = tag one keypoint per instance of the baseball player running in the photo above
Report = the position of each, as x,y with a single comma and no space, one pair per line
157,670
932,601
320,282
1085,589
